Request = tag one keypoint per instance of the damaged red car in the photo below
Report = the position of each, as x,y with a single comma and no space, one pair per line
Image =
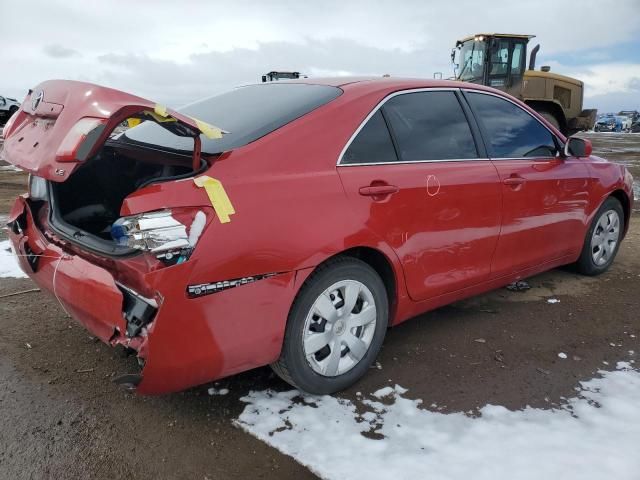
291,223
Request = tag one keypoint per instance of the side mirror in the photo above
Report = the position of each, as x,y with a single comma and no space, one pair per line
577,147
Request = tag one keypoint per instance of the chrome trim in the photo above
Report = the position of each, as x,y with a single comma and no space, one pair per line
373,112
415,161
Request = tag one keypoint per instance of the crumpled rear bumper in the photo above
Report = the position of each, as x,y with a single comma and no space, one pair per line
190,341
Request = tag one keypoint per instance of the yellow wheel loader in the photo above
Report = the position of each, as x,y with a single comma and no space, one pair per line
498,60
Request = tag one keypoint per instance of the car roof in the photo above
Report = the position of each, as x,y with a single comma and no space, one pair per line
389,84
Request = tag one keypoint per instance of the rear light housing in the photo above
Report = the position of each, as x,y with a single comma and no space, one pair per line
80,140
160,233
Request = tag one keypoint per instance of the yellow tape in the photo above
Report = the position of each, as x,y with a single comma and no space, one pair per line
217,196
161,115
209,130
160,110
132,122
159,118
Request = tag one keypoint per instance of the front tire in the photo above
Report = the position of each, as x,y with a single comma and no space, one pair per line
551,118
335,328
602,241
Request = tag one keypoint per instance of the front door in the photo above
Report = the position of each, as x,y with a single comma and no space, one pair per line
425,192
545,196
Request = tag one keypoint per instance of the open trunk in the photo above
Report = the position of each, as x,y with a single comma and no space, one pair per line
62,136
86,206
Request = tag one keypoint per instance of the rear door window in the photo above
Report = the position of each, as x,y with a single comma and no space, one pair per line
372,144
430,126
512,132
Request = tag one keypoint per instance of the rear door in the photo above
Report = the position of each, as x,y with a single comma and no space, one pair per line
63,122
545,195
416,177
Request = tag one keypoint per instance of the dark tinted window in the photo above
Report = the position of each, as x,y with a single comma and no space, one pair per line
372,144
248,113
429,126
513,133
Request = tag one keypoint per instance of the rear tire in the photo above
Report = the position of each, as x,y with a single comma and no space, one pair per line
335,328
602,240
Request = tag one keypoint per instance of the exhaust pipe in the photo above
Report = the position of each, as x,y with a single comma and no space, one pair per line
532,57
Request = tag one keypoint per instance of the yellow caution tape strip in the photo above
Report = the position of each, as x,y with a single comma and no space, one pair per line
160,110
217,196
209,130
159,118
160,114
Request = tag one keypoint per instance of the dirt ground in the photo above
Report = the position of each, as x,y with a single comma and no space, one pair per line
61,417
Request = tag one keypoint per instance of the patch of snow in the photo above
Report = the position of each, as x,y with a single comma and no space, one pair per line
216,391
553,300
10,168
9,267
592,436
383,392
562,355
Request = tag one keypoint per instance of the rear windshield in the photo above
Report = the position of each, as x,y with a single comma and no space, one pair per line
248,113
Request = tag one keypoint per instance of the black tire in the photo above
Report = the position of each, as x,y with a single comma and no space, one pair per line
585,264
292,366
551,118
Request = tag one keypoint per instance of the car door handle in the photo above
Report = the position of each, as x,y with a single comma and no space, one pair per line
378,190
514,181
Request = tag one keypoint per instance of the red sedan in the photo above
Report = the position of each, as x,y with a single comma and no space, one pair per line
291,223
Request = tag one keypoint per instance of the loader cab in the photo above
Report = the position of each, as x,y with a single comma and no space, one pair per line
495,60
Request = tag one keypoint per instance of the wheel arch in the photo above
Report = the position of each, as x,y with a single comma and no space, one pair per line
552,107
391,274
623,198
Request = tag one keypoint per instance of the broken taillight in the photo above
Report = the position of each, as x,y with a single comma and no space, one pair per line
160,233
80,139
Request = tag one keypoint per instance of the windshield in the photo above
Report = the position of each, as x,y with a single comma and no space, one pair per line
247,113
471,60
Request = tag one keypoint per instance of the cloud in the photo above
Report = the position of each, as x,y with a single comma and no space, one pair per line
58,51
175,53
204,74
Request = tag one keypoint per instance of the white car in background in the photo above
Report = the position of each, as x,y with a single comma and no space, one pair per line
626,122
7,107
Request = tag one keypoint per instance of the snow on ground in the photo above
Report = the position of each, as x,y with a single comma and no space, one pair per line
8,262
593,436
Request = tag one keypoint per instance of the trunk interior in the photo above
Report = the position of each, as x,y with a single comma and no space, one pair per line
91,198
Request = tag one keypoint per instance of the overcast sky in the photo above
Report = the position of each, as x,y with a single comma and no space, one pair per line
178,51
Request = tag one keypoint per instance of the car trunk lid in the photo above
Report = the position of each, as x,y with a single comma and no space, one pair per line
61,123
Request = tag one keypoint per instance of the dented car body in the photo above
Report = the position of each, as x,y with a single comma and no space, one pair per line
188,237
